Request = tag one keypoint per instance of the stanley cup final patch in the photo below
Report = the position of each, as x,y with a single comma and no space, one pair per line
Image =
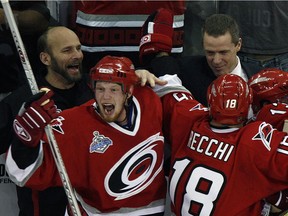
100,143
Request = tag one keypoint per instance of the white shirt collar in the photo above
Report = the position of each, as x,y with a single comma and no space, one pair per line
238,70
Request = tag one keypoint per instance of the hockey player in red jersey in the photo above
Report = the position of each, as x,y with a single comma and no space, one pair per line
270,97
112,146
219,165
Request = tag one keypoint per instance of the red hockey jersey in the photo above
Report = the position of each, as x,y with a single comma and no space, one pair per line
113,170
221,171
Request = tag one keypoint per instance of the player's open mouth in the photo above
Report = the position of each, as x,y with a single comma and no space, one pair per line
108,108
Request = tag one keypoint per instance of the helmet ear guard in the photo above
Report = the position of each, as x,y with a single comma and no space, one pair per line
229,98
114,69
269,85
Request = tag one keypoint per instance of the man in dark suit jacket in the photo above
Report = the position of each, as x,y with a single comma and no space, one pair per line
221,43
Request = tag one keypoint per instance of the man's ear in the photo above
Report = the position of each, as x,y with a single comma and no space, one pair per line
239,44
45,58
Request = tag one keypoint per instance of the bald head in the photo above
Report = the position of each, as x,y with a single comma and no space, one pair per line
57,37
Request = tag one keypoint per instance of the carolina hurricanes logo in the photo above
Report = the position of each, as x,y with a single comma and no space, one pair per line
145,39
136,169
20,131
265,134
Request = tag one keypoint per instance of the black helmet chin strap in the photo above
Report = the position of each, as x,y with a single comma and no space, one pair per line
128,100
130,113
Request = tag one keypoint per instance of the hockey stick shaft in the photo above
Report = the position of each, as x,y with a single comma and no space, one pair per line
34,88
19,46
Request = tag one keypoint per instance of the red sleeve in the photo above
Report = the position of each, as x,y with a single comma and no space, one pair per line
177,108
274,114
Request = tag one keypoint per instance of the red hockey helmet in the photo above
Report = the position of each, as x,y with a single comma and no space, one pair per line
229,98
114,69
270,85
